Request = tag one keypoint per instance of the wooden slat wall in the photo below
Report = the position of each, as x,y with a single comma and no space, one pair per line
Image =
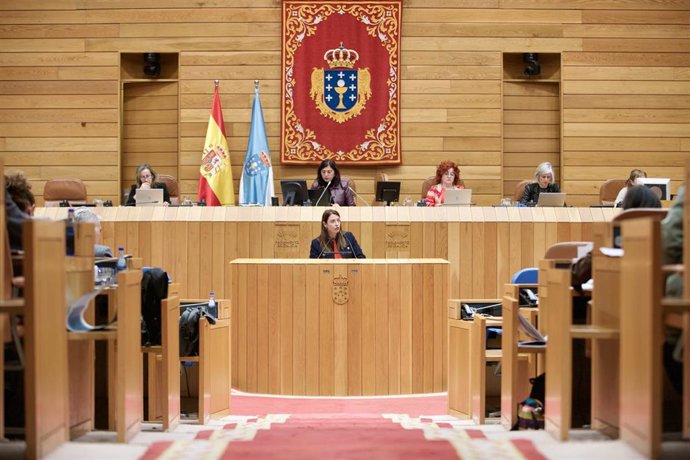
149,129
625,85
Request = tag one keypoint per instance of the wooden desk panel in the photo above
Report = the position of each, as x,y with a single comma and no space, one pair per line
484,245
336,328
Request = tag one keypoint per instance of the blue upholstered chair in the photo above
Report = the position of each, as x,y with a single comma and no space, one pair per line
526,276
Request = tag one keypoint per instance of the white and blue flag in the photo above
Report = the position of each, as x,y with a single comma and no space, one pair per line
256,184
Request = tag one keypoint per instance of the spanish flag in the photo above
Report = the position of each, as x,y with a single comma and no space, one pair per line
215,178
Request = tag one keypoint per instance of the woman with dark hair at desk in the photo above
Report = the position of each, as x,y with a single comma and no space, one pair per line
543,183
332,243
341,193
146,179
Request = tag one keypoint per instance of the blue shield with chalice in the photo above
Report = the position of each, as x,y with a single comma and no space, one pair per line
340,89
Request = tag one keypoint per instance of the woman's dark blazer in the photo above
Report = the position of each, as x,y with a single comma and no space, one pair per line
531,193
133,191
352,250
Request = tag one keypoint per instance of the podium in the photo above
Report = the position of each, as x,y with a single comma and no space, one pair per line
346,327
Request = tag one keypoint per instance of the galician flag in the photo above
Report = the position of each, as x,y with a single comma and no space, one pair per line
215,179
256,184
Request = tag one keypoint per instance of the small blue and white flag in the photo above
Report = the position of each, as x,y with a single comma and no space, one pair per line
256,184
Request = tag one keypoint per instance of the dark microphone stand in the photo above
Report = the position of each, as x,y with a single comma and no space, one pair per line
323,193
325,247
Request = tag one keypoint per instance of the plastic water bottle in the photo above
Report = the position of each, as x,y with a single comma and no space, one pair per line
121,262
212,308
69,232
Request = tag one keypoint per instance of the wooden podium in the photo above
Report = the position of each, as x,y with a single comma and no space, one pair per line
339,327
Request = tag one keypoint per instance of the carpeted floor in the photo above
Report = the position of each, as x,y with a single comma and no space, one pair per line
409,427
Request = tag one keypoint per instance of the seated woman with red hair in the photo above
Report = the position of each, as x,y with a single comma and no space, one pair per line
447,177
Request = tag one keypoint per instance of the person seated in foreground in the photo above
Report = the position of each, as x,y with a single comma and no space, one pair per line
87,215
19,206
543,183
341,193
631,182
146,179
332,243
639,196
447,177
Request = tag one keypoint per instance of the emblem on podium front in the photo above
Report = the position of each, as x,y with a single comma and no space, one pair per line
341,92
341,292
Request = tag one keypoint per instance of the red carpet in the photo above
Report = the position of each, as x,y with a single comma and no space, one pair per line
342,428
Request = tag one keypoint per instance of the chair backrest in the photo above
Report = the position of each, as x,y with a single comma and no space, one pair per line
526,276
520,190
565,250
609,190
636,213
57,190
349,181
427,184
171,184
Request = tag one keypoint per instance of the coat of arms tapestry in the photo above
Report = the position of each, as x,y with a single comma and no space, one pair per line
341,82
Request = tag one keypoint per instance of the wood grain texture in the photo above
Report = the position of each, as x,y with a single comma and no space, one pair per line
363,335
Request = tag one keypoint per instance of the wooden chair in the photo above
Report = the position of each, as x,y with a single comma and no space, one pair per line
171,185
642,335
520,190
58,190
45,338
515,376
163,365
213,363
608,192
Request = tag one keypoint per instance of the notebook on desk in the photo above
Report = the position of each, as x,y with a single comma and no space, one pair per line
458,197
149,197
551,200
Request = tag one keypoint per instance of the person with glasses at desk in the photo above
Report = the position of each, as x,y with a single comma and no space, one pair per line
447,177
146,179
543,183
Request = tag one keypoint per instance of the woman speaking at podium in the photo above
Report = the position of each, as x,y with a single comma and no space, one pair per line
332,243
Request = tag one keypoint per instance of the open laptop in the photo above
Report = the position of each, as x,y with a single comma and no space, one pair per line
551,200
149,197
315,194
458,197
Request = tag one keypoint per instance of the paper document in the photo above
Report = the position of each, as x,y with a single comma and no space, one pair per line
530,331
75,313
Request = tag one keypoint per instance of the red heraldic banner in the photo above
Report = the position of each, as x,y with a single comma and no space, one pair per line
341,82
215,174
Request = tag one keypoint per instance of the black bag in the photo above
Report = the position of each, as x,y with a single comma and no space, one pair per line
154,288
189,329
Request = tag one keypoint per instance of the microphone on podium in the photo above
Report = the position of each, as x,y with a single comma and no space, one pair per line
358,195
326,246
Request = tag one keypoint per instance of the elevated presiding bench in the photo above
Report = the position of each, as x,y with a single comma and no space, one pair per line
483,245
339,327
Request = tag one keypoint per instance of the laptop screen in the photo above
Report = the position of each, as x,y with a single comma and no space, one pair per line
149,197
458,197
551,199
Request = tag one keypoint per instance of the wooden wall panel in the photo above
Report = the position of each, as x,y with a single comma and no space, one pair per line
625,90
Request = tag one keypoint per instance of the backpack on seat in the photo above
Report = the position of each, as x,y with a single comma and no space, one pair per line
531,410
189,329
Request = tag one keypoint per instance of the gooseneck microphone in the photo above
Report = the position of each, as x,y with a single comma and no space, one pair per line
325,246
323,193
352,246
358,195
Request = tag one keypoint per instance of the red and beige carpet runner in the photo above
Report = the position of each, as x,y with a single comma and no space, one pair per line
267,427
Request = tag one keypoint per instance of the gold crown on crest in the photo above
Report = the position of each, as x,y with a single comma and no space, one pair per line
341,57
340,281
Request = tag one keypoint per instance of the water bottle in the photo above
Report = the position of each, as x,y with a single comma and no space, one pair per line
212,308
121,262
69,233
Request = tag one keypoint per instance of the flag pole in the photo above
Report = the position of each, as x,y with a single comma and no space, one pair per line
217,83
256,85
